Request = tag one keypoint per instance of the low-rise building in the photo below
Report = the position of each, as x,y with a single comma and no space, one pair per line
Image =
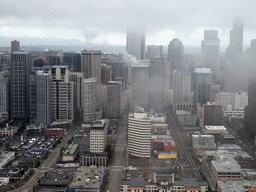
5,158
189,185
241,186
88,179
97,159
70,153
54,132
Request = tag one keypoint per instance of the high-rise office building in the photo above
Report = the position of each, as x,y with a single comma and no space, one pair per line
43,98
139,85
4,94
181,85
175,57
73,61
212,114
106,73
77,78
210,48
235,48
19,90
91,64
114,99
15,46
54,57
135,42
139,133
156,80
250,109
62,94
176,54
202,87
154,51
89,106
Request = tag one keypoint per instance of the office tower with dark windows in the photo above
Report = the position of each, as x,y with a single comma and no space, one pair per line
62,94
106,73
54,57
135,42
4,94
43,97
175,57
91,64
210,48
15,46
250,109
156,84
19,90
139,85
181,85
73,61
77,78
212,114
235,48
154,51
89,105
202,87
114,99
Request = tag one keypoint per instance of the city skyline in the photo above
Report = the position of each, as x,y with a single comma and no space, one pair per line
106,23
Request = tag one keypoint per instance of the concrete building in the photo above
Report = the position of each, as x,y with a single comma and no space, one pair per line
225,99
106,73
73,61
77,78
135,42
154,51
235,48
70,153
226,168
54,57
186,118
190,185
15,46
98,133
213,130
250,109
203,140
241,186
181,85
62,94
210,48
114,99
98,159
4,94
212,114
202,87
240,100
19,85
91,64
89,105
139,85
156,80
43,98
88,179
139,133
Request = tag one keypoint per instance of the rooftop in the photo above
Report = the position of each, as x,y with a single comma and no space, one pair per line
59,177
71,149
203,70
226,164
135,182
190,182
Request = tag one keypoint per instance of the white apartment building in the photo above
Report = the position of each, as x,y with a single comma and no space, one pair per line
241,100
139,133
98,133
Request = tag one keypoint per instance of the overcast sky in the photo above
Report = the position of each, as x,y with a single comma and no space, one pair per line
106,21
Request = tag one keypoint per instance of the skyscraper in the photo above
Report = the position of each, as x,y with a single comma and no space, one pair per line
156,84
210,48
89,106
15,46
135,42
62,94
235,48
77,78
139,85
154,51
181,85
175,57
4,94
73,61
250,109
19,90
91,64
43,98
202,87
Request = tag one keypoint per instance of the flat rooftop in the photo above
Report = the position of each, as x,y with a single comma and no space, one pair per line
71,149
203,70
59,177
226,164
211,127
88,178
